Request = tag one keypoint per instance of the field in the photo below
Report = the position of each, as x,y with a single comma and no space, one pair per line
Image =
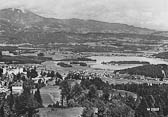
51,65
23,59
50,95
123,92
136,81
46,99
68,112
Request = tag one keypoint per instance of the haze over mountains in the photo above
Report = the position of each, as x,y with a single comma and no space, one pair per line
23,26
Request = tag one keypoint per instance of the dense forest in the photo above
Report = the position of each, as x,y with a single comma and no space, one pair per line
110,105
162,55
154,71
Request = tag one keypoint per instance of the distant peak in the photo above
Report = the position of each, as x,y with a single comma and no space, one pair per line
76,19
21,9
18,10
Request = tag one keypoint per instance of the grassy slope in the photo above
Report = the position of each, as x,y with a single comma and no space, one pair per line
154,71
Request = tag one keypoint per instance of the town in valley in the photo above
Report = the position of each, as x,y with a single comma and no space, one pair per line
74,67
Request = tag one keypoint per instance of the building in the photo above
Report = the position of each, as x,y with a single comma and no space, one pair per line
11,70
7,53
17,88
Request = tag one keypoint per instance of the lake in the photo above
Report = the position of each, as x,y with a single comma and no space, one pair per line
100,59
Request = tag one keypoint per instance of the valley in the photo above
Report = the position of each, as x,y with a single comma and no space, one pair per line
84,66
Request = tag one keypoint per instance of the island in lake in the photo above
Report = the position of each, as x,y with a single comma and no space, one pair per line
126,62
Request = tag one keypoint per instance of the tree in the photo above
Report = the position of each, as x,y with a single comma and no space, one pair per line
32,104
37,96
18,76
10,100
92,92
43,73
41,54
26,103
1,111
141,110
33,73
58,75
27,86
70,92
106,96
85,83
65,91
1,71
2,102
130,102
7,109
76,91
88,110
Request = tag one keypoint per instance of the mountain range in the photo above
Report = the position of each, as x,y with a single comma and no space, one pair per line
24,26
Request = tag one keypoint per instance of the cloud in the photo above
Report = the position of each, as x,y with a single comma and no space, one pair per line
144,13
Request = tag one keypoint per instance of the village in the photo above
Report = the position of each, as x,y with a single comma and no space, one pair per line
47,88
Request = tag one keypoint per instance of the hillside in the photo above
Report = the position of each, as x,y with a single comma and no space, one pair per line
162,55
161,33
19,26
154,71
23,26
27,19
19,18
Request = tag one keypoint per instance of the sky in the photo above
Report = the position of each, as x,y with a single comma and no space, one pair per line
143,13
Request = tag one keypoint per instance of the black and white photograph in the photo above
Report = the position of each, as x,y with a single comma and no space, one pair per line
83,58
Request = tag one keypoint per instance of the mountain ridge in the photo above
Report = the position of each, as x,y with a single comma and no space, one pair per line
24,26
29,19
